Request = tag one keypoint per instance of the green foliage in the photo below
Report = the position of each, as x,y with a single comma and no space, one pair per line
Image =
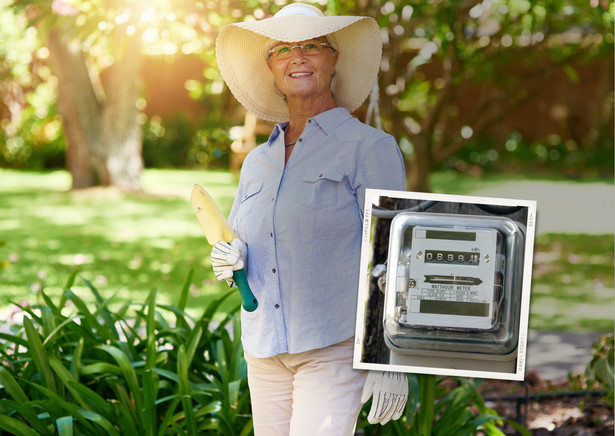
438,408
601,368
31,134
177,143
514,154
147,369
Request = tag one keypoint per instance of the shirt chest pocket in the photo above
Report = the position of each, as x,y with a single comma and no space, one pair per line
321,189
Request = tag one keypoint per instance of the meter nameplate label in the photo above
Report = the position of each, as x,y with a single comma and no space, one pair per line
452,273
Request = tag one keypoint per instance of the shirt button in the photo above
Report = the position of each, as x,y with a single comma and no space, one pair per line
300,139
273,199
273,270
277,306
309,121
271,234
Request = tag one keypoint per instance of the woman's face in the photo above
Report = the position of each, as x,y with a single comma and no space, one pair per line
304,75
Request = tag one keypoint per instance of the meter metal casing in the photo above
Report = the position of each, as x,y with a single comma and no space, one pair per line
453,285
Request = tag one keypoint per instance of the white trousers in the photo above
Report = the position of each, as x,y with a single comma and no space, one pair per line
314,393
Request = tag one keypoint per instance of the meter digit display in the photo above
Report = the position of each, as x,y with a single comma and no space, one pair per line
452,257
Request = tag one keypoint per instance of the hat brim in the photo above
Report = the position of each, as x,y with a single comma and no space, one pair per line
241,47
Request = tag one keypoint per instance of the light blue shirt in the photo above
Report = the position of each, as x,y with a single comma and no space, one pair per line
302,223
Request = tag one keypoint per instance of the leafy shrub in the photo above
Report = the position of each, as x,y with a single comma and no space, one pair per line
71,370
600,367
436,409
176,143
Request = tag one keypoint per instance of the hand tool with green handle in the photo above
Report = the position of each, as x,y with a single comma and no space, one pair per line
216,228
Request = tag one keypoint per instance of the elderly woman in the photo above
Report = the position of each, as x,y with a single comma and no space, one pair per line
298,215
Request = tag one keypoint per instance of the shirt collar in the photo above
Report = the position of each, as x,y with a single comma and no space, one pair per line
327,121
331,119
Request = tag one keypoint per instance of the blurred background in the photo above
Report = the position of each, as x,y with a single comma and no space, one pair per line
112,109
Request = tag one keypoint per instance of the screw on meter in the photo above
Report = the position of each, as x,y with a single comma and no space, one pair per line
452,274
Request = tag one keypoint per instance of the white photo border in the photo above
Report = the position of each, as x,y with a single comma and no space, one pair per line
372,197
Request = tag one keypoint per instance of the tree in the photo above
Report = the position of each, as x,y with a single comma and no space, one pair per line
99,112
95,49
502,50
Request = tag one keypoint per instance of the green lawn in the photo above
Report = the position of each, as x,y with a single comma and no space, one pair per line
125,244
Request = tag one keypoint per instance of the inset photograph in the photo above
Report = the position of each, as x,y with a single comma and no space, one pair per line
445,284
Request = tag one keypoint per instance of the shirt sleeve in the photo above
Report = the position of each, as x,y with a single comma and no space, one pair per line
381,166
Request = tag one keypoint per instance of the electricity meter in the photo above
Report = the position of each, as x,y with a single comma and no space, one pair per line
453,285
453,276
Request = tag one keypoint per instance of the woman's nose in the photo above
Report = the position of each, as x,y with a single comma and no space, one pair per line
298,53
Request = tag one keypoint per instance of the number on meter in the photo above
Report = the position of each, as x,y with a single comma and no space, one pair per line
452,278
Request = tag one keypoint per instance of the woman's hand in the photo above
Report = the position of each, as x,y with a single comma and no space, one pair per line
390,393
226,258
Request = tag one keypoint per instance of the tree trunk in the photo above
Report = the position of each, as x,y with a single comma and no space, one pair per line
100,123
420,166
119,151
78,105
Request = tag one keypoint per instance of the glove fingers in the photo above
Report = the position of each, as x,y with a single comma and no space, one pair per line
399,410
223,274
378,409
388,408
220,257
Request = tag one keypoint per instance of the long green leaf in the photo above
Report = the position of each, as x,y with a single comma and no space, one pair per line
56,403
90,324
10,338
168,416
69,284
12,387
38,355
520,428
101,368
184,391
75,363
472,426
129,376
16,427
427,386
29,414
48,321
149,378
193,342
94,400
65,426
183,294
65,376
109,428
102,309
58,329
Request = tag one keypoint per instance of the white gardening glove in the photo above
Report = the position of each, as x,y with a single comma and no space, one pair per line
390,393
226,258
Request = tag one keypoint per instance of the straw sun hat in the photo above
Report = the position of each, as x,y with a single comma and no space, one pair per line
242,49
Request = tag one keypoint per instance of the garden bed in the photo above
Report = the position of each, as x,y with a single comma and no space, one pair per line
551,407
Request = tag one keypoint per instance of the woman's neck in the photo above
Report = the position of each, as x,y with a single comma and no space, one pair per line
300,111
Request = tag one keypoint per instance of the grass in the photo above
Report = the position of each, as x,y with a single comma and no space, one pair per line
128,243
123,243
